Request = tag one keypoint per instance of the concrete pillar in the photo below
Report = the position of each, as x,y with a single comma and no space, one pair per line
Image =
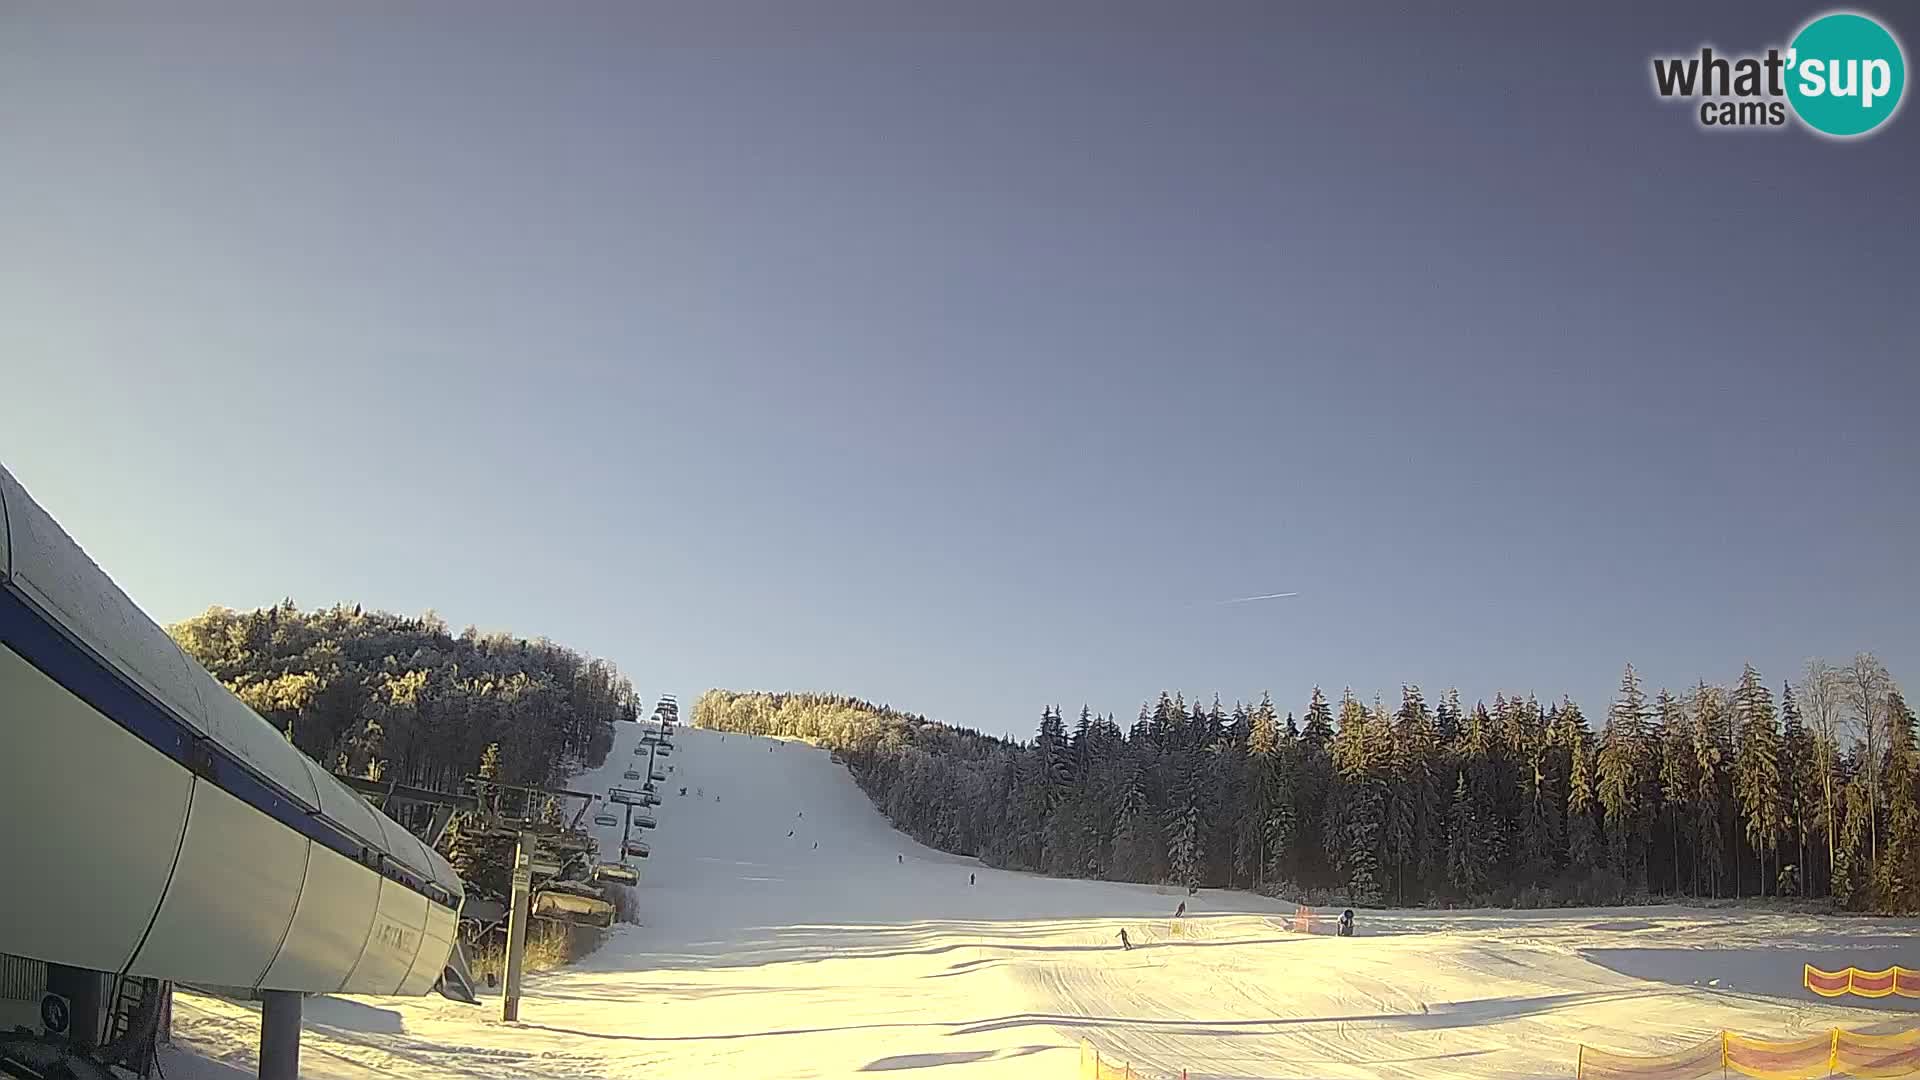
279,1035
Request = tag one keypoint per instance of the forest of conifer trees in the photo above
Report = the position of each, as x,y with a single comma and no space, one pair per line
1813,793
390,697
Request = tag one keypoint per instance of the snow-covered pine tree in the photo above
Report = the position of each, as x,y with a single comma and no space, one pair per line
1464,858
1801,784
1757,786
1852,867
1674,740
1183,822
1261,788
1709,753
1896,878
1623,781
1418,838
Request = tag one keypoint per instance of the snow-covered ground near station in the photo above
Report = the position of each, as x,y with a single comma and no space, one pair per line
845,948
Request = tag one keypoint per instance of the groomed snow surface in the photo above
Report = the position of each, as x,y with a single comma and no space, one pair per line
763,955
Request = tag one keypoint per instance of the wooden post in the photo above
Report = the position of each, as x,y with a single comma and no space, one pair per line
517,916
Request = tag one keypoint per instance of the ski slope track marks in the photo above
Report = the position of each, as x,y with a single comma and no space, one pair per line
764,955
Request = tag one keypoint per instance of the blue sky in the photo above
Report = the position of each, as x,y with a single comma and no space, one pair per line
967,361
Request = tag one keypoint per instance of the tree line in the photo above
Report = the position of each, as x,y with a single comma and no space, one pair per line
1714,791
391,697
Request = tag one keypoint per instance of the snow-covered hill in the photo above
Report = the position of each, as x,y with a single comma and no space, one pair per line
845,947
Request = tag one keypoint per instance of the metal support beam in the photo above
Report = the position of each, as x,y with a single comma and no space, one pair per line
279,1035
517,915
406,793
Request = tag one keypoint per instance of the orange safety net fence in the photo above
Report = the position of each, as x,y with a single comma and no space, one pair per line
1789,1060
1835,1053
1302,920
1688,1064
1870,984
1095,1066
1880,1056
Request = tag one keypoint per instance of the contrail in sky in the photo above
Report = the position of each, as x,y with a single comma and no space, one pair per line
1262,596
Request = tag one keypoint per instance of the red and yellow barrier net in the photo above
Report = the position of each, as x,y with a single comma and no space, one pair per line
1869,984
1765,1059
1877,1056
1687,1064
1835,1053
1095,1066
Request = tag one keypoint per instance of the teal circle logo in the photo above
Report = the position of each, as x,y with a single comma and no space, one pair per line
1845,74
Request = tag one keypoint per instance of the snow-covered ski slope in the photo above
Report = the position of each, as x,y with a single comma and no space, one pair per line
764,956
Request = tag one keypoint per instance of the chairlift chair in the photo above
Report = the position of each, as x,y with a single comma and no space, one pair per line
616,873
632,774
572,908
604,819
638,849
645,821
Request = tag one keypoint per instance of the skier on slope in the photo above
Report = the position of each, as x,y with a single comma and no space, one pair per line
1181,910
1345,927
1125,945
969,879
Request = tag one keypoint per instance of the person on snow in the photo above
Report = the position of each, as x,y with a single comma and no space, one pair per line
816,845
1181,910
789,833
901,859
1345,927
1125,945
969,879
